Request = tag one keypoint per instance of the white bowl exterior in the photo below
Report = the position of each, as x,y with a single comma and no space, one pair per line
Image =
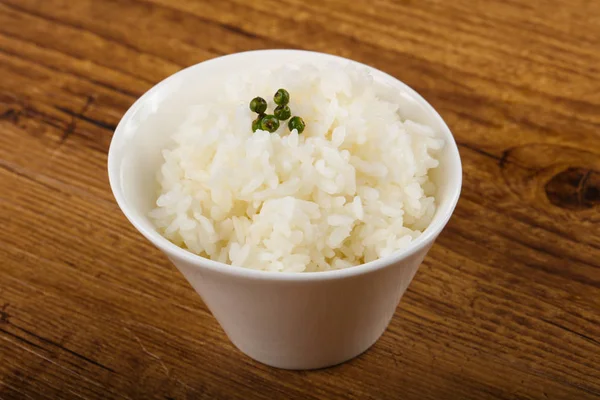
303,324
287,320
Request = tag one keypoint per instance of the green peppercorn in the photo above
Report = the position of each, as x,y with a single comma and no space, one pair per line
296,123
258,105
282,97
282,113
256,122
269,123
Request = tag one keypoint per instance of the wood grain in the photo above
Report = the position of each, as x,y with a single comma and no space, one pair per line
506,305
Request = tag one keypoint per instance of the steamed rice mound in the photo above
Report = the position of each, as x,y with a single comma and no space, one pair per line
353,187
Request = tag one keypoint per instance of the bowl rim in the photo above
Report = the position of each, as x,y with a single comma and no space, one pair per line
173,251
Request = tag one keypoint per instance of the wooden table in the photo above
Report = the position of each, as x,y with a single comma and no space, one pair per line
506,305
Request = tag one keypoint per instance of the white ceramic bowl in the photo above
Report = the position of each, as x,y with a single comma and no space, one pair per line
287,320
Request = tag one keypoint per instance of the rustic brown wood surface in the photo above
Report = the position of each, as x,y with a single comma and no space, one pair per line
506,305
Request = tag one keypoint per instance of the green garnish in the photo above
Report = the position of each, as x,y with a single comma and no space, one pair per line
258,105
256,122
282,97
269,123
282,112
296,123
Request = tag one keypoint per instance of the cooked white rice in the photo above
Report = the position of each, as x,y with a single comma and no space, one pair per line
353,187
